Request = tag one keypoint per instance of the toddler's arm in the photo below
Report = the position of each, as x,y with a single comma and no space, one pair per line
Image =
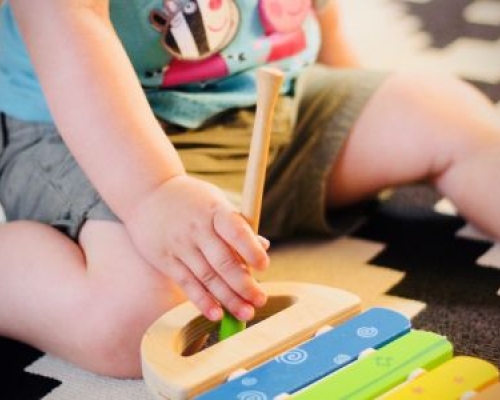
182,226
334,51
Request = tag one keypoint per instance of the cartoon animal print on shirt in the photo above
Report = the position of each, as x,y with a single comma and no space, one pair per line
195,29
283,15
214,39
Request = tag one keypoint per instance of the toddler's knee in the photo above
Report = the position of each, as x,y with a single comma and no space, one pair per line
449,108
437,89
111,346
111,342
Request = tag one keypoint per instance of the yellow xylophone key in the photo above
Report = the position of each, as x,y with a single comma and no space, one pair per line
457,377
491,392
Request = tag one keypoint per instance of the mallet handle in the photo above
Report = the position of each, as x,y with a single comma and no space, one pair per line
269,82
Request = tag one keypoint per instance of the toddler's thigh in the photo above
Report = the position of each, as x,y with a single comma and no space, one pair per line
41,181
328,103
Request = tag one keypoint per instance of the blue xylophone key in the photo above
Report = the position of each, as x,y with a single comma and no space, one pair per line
315,358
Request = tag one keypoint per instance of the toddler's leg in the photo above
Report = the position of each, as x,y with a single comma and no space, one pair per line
416,127
88,304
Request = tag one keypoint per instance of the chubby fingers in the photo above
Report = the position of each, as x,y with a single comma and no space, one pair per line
217,273
231,280
194,289
237,233
265,243
233,251
215,278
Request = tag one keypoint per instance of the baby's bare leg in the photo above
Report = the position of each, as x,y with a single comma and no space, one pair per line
90,304
419,127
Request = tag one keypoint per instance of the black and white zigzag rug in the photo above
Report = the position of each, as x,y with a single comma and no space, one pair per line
441,262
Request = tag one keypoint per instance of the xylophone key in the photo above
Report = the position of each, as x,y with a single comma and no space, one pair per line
491,392
451,380
388,367
315,358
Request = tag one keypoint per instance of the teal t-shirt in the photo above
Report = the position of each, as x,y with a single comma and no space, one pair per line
20,92
194,58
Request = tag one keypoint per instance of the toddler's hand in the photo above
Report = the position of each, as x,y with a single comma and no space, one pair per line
192,233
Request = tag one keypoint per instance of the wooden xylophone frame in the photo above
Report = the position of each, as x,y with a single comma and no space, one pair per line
293,314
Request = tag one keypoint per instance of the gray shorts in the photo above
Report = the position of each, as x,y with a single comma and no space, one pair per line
40,180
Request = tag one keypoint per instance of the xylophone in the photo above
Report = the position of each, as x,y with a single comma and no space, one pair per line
367,355
288,353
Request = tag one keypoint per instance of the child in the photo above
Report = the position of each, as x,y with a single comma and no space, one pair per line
111,225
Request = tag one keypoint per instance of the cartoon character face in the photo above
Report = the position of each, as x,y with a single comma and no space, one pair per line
195,29
283,15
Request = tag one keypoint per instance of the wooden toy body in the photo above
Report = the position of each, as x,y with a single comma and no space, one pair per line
492,392
370,354
294,313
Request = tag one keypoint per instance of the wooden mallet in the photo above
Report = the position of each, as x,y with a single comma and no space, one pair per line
269,82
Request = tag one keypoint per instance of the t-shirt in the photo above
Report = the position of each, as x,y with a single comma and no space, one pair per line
194,58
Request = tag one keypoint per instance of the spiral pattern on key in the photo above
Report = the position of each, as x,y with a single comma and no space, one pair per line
342,359
296,356
249,381
252,395
367,332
